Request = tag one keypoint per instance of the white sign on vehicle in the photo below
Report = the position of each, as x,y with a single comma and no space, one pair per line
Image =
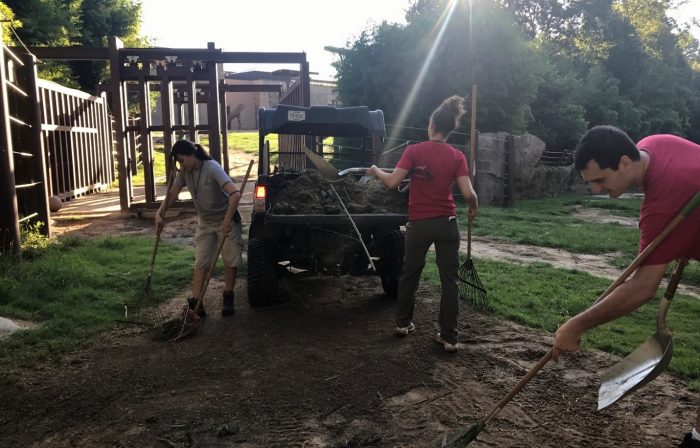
296,115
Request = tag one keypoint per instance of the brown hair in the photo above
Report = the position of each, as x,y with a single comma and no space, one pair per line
446,117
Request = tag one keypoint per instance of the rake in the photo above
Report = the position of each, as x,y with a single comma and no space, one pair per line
470,287
147,290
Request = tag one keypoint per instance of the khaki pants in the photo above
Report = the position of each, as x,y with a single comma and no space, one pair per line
444,233
207,240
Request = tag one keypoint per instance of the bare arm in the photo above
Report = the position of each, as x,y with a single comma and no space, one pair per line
624,299
391,180
234,196
465,187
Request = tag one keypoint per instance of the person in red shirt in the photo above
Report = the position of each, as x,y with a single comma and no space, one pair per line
667,169
434,166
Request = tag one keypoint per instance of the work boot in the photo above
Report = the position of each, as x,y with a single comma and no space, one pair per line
403,331
227,308
192,302
448,346
689,442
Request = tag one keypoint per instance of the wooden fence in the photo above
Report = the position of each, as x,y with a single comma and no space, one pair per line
291,154
54,141
77,136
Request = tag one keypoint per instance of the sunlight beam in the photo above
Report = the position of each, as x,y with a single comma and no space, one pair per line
418,83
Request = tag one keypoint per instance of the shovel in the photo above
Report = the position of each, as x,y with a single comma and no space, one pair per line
329,173
465,436
648,360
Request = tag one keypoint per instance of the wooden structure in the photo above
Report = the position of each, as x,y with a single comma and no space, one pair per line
59,142
182,79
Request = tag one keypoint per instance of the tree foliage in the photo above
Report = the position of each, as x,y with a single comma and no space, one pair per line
550,67
77,22
385,63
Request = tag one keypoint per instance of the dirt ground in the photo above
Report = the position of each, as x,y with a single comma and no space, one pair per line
324,370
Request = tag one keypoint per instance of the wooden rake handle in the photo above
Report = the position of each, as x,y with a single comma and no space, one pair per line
470,221
159,231
200,298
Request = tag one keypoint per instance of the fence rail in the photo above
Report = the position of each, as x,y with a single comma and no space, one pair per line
76,132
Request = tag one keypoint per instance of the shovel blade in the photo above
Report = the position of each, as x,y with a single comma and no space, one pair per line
323,166
637,369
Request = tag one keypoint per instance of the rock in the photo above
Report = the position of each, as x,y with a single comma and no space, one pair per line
55,204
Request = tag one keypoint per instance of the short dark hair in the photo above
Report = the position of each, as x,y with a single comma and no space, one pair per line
188,148
606,145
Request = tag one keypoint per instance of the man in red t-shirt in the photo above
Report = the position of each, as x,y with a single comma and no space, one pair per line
667,169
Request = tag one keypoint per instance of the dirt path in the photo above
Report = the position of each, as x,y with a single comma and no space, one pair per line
596,265
324,370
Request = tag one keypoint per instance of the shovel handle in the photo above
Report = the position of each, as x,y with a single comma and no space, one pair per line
518,387
357,231
668,296
689,207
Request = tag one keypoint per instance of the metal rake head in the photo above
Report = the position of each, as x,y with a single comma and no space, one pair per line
470,287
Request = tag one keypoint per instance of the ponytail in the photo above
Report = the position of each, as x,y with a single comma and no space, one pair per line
446,117
188,148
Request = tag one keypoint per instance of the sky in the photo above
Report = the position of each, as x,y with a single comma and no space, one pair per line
287,26
267,25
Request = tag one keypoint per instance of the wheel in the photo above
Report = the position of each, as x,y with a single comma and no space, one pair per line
391,251
262,272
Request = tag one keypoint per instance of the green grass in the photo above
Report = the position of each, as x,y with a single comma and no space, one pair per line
76,288
551,223
543,297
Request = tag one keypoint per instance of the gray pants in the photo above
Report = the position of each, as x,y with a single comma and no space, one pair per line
420,234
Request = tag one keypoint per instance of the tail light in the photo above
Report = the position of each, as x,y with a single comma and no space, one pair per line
259,198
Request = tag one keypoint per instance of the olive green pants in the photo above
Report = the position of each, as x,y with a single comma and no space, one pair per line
444,233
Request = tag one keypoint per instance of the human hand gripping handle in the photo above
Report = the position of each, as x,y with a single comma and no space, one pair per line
568,336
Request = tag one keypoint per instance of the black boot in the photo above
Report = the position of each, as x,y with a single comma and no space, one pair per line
227,308
192,302
689,442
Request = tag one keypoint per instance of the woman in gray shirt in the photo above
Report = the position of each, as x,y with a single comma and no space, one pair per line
216,199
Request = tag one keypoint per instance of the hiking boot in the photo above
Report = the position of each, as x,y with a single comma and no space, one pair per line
403,331
227,307
449,347
689,442
192,302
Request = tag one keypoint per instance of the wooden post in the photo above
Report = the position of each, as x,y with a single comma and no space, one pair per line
119,113
166,101
146,142
213,116
510,172
472,138
41,199
224,128
9,214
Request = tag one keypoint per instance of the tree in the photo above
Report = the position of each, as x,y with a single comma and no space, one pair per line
77,22
482,45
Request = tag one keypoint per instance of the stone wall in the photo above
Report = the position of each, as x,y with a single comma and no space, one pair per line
532,179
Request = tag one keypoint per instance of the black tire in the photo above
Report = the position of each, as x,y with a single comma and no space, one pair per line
391,248
262,272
